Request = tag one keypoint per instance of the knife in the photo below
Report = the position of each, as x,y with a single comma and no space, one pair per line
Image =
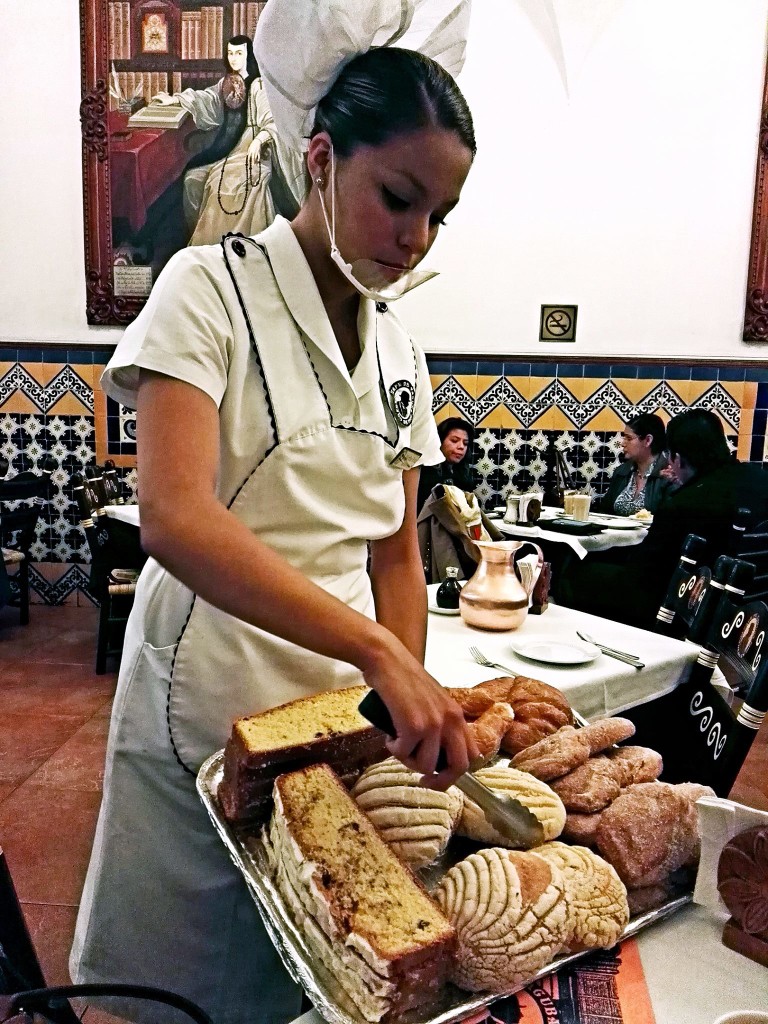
506,814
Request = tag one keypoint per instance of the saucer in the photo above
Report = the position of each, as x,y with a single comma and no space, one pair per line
431,603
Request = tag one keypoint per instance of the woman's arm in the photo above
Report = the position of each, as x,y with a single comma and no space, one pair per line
397,577
194,536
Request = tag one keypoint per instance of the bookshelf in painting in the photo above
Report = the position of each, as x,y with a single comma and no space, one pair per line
169,45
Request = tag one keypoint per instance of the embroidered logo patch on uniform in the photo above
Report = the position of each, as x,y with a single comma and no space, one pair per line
402,398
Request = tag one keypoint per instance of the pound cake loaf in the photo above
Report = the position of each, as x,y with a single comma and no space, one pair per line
363,914
324,727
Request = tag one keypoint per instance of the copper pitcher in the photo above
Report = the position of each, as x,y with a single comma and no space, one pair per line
496,596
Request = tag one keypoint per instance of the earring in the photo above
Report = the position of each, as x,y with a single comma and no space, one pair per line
320,181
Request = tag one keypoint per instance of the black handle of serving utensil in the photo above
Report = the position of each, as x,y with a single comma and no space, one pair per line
373,708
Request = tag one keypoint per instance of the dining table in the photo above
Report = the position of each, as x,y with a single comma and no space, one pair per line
595,684
691,977
127,513
615,531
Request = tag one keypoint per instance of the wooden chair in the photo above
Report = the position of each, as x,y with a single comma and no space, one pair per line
116,560
699,735
750,544
22,499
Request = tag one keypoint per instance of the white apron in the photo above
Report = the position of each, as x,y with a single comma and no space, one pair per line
162,903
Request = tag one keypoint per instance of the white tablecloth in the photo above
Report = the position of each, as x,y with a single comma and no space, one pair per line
124,513
601,687
609,538
692,977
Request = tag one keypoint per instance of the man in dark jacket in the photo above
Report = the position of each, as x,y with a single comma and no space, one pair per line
712,487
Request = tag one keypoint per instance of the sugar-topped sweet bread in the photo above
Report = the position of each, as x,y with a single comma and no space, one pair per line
531,792
598,910
416,822
509,909
555,755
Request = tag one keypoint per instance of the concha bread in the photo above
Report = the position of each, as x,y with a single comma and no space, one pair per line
323,727
531,792
372,923
510,913
416,822
598,910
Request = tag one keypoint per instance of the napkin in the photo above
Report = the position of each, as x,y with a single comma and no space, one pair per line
719,821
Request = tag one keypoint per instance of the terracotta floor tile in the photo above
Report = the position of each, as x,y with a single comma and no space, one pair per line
51,929
72,646
6,788
79,763
26,741
54,689
47,836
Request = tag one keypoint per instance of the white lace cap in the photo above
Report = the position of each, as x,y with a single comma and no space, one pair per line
302,45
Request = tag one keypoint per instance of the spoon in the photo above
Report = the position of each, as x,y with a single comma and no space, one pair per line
611,652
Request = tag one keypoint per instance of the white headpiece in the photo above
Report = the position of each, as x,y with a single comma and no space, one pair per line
302,45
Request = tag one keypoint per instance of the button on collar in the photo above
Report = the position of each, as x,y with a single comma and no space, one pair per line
238,248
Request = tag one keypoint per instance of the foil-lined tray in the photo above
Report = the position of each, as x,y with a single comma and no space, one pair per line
246,849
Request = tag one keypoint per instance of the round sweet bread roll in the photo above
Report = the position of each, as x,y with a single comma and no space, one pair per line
531,792
635,764
603,733
555,755
598,910
415,821
509,909
588,788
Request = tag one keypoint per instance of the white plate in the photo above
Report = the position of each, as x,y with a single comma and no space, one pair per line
551,651
615,522
431,592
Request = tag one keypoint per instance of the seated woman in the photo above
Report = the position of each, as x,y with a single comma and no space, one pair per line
638,482
712,487
456,437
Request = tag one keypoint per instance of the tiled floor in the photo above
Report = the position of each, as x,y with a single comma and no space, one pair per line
53,728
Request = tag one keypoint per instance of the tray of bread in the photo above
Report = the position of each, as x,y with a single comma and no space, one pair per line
390,901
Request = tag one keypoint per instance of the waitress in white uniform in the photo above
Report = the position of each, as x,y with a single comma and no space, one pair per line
282,412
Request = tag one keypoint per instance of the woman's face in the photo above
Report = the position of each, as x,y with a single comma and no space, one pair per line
392,199
237,57
635,448
455,444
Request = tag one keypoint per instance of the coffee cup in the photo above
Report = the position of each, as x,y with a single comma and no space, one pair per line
513,508
530,507
580,504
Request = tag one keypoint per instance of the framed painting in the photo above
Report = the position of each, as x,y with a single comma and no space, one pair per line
756,315
171,101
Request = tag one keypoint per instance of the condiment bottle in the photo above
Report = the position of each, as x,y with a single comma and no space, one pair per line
449,591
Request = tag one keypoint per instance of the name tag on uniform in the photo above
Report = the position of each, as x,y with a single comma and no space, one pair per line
406,458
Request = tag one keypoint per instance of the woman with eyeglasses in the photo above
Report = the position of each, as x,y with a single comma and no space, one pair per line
640,481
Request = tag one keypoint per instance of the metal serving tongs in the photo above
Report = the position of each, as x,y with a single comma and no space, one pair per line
506,814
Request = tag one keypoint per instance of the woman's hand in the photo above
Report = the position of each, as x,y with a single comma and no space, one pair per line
425,717
165,100
258,148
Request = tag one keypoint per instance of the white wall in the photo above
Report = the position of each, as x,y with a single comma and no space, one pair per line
615,170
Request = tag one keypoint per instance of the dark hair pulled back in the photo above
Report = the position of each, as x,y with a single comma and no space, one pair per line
387,92
250,57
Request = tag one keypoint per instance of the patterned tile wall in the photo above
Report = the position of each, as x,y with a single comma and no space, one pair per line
50,402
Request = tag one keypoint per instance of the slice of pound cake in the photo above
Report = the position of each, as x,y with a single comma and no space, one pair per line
362,912
323,727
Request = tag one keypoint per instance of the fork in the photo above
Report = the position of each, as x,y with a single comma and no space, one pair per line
481,659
